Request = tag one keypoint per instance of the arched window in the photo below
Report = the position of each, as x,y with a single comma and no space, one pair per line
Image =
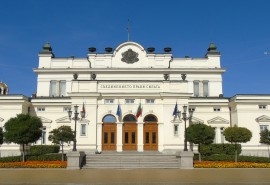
108,119
150,118
129,118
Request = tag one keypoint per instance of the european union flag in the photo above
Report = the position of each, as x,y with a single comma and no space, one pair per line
175,110
119,112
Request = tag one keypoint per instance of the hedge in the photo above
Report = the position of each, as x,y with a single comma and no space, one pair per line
45,157
44,149
227,149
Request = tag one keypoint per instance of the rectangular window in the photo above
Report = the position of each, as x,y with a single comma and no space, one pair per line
176,130
43,137
126,137
65,109
262,106
133,137
129,101
41,109
83,129
264,127
105,137
112,137
191,109
150,101
147,137
57,88
216,109
205,88
196,88
108,101
154,138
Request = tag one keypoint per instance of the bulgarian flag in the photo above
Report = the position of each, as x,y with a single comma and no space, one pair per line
139,111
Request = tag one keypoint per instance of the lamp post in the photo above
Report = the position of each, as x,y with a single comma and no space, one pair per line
76,113
185,118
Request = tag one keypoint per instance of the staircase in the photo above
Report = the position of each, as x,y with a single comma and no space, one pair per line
131,160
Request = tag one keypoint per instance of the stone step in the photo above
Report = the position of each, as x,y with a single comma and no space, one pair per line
131,160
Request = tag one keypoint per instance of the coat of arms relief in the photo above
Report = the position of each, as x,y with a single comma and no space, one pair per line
130,56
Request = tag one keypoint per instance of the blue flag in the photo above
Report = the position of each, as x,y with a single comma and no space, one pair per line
119,112
175,110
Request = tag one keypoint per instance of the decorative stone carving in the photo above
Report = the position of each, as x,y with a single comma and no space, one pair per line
130,56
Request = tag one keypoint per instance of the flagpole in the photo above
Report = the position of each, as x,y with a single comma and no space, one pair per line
128,29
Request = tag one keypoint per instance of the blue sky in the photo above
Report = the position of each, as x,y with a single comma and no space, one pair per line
239,28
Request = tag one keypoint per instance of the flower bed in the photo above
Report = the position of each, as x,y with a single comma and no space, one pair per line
34,164
226,164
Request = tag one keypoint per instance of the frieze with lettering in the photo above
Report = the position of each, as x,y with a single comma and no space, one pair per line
129,86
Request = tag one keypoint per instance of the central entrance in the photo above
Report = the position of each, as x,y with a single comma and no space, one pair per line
129,133
150,133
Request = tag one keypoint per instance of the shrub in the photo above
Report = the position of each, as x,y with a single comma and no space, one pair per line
11,159
46,157
228,149
44,149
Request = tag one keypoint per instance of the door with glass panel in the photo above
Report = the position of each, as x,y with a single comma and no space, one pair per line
109,136
150,133
130,136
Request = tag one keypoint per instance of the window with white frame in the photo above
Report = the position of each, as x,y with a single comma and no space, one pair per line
41,109
176,130
191,109
216,109
57,88
264,127
129,101
205,89
109,101
262,106
150,101
196,89
83,129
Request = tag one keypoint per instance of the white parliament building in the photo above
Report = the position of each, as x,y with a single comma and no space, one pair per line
129,94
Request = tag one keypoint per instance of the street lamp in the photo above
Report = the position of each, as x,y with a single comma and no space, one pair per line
75,118
185,118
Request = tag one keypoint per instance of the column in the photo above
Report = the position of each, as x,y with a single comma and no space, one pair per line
160,137
99,137
140,136
119,140
218,135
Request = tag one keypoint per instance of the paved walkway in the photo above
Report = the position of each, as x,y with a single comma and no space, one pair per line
134,176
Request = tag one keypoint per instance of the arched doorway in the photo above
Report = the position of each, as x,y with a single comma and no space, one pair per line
109,132
150,133
129,132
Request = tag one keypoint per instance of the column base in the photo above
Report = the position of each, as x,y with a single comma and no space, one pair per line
186,159
75,160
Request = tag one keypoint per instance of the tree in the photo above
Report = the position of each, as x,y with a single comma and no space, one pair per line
265,138
200,134
237,135
1,136
61,135
23,129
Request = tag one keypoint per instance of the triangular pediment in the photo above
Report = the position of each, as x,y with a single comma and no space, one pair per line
196,120
64,119
263,118
218,120
84,121
45,120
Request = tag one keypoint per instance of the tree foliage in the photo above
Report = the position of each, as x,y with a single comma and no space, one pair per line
200,134
23,129
61,135
1,136
237,135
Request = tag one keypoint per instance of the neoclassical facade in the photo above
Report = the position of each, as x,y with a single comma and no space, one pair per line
129,95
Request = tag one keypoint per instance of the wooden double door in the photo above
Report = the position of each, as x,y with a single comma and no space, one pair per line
129,136
109,135
150,136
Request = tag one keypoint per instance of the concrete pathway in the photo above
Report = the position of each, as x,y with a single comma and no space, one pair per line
134,176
